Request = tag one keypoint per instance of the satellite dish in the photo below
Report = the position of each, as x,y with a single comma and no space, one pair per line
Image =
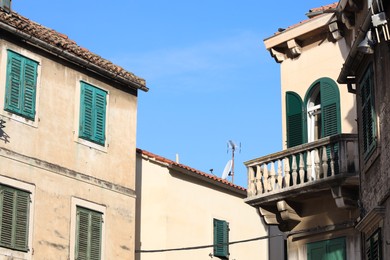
227,170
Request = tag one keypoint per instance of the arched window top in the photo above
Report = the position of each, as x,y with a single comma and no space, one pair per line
315,88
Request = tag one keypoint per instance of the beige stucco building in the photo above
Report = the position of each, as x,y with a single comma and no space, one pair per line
183,213
67,147
310,188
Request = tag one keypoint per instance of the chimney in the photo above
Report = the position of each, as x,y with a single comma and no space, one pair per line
5,5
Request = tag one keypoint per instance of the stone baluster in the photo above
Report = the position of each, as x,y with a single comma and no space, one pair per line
301,168
316,164
324,162
309,168
331,147
286,172
251,182
259,180
356,156
294,168
272,177
280,177
266,176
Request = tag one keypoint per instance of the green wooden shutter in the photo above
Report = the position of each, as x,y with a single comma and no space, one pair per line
86,111
14,218
100,116
294,124
21,85
221,238
14,83
88,234
29,94
92,113
330,108
333,249
368,113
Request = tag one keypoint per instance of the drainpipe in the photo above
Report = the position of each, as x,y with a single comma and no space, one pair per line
73,58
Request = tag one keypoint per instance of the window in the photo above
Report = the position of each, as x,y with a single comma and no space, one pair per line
317,117
92,125
327,250
14,215
21,84
374,246
88,234
221,239
368,113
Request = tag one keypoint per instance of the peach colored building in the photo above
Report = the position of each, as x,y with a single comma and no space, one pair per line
183,213
309,190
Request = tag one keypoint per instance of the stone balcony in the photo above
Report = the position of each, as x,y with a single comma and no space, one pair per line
278,183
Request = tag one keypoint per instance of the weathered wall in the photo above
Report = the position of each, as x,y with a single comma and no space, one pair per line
48,155
177,211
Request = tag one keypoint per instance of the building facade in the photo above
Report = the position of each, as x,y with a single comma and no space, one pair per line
183,213
309,190
365,74
67,147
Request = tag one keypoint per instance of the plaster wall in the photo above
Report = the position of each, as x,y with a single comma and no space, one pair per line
319,59
177,211
54,133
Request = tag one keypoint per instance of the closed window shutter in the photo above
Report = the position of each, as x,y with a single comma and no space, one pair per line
14,91
14,218
330,108
294,114
368,113
86,111
100,116
333,249
30,79
221,238
88,234
93,113
21,85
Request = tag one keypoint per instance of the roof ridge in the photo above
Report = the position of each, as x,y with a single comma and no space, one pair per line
183,166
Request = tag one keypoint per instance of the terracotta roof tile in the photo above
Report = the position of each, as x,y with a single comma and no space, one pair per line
313,10
173,163
62,41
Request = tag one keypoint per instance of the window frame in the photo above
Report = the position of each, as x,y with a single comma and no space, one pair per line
221,236
91,206
30,189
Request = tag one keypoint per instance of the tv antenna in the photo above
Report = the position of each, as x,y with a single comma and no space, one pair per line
229,168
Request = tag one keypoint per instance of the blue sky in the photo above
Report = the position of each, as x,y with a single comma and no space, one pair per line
210,78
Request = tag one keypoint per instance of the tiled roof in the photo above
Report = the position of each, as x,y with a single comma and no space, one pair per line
200,173
314,12
60,41
323,8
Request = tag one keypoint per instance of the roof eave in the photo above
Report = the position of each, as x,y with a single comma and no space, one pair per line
301,29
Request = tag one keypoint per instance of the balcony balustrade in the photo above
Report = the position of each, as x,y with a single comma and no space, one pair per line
312,166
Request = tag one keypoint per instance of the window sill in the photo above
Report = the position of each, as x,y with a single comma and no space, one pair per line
92,145
20,119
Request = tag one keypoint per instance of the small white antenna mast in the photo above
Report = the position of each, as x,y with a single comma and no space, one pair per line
232,146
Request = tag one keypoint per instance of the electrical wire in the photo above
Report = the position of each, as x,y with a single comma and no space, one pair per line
205,246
